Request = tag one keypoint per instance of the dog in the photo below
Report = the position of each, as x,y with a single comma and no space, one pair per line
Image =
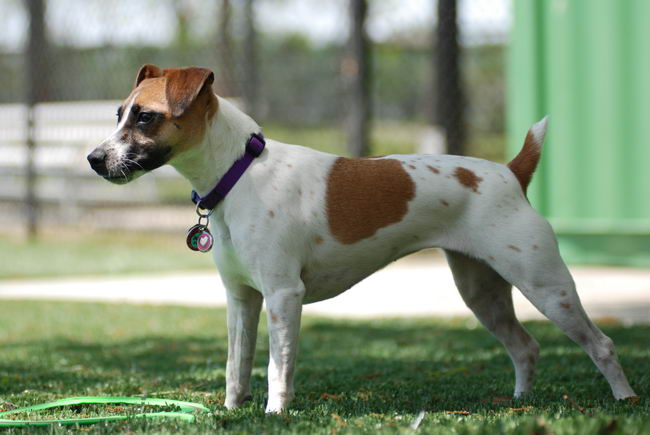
300,226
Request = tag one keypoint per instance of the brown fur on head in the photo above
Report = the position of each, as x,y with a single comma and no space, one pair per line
165,114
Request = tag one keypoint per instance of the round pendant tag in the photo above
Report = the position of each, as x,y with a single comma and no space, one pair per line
192,237
204,241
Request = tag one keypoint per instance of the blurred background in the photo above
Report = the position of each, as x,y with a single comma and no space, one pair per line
353,77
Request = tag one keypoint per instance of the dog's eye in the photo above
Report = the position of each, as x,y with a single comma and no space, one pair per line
145,118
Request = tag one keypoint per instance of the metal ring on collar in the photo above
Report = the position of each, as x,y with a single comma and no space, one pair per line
203,215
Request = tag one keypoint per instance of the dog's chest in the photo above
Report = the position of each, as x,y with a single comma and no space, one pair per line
229,263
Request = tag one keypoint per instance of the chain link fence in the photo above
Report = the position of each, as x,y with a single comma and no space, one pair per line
287,62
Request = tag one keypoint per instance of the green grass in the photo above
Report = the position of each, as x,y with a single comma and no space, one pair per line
101,253
353,376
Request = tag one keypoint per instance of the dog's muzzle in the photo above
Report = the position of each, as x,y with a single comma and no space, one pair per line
97,160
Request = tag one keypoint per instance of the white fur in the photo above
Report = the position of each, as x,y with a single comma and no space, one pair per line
539,131
116,145
117,148
265,249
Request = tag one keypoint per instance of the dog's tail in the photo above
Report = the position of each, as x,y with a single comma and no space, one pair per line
524,165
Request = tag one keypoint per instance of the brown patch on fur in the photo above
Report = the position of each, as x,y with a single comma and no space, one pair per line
318,240
151,96
365,195
184,86
535,247
271,213
514,248
563,293
147,71
412,167
467,178
445,203
432,169
525,163
274,318
289,165
491,258
161,91
565,306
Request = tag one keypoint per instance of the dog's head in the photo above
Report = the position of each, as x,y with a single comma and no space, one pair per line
165,114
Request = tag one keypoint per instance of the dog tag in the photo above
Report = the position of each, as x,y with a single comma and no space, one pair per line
199,237
192,237
204,240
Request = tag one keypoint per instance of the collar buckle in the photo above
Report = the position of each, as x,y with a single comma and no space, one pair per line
255,144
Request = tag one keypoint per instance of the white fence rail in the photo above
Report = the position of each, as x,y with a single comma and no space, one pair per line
65,133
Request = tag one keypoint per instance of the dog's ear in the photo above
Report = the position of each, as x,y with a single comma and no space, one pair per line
184,86
147,71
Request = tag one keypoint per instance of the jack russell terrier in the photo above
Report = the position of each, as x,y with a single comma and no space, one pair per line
295,226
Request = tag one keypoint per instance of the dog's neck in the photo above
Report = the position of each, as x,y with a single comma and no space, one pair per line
224,142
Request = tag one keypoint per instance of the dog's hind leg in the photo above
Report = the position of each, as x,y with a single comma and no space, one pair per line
490,298
525,253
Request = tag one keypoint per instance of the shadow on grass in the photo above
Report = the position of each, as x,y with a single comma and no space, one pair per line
351,367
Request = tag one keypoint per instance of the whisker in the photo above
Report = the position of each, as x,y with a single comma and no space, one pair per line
134,162
123,165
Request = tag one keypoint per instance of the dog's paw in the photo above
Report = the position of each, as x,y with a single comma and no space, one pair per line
277,403
238,403
273,408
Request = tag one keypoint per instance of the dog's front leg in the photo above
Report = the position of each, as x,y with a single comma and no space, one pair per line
284,307
244,305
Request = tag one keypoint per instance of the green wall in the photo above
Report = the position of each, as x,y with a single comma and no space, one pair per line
586,63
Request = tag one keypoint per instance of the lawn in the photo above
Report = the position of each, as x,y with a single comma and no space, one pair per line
81,253
353,376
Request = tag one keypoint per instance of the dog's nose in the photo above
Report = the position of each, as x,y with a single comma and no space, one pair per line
97,160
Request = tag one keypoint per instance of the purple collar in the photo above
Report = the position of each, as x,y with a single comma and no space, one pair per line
254,148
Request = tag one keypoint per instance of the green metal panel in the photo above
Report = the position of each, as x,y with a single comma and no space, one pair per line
586,63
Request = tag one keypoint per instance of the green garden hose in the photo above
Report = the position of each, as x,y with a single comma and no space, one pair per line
187,410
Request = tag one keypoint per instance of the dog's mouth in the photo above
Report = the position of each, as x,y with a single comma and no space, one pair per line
123,173
121,170
121,179
119,173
